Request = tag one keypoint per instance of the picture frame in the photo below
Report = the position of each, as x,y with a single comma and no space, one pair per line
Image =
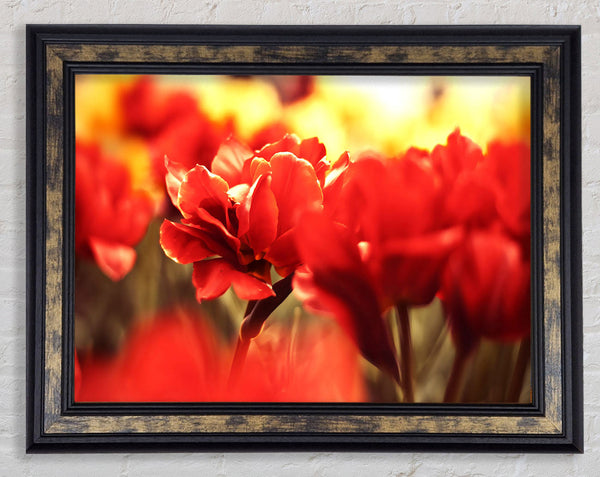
549,55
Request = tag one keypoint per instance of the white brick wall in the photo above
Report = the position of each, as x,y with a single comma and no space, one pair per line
14,14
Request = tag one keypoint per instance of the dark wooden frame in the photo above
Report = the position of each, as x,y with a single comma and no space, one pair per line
549,55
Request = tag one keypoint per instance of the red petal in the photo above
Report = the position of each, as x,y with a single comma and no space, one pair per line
114,259
310,150
392,200
174,177
486,290
214,234
460,154
191,139
181,243
238,193
471,201
332,186
295,187
411,268
213,277
289,143
307,292
202,189
258,166
507,168
248,287
341,282
257,215
313,151
283,254
229,161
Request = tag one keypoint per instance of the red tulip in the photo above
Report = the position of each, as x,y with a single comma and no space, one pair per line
172,357
147,108
394,207
468,194
244,213
486,290
171,122
336,282
480,190
110,217
390,251
507,167
178,357
458,156
300,367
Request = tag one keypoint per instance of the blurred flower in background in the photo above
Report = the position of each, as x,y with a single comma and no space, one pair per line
179,356
403,213
111,217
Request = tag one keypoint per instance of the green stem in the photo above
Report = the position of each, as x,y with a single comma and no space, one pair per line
406,365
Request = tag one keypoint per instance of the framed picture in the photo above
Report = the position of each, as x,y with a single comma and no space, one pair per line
269,238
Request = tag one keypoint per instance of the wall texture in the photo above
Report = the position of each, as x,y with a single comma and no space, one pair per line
14,14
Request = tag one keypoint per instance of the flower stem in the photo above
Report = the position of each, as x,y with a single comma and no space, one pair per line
516,383
239,358
256,314
241,350
458,368
406,365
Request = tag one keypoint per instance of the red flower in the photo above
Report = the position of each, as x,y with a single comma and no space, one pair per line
393,206
110,217
507,167
390,251
178,357
281,367
338,283
481,190
244,213
147,109
468,194
173,357
486,290
172,123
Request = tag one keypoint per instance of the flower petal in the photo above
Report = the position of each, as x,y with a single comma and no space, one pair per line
248,287
258,166
310,150
213,277
460,154
229,161
289,143
333,185
283,253
341,284
295,187
313,151
486,290
257,215
182,243
114,259
173,178
411,268
202,189
214,234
